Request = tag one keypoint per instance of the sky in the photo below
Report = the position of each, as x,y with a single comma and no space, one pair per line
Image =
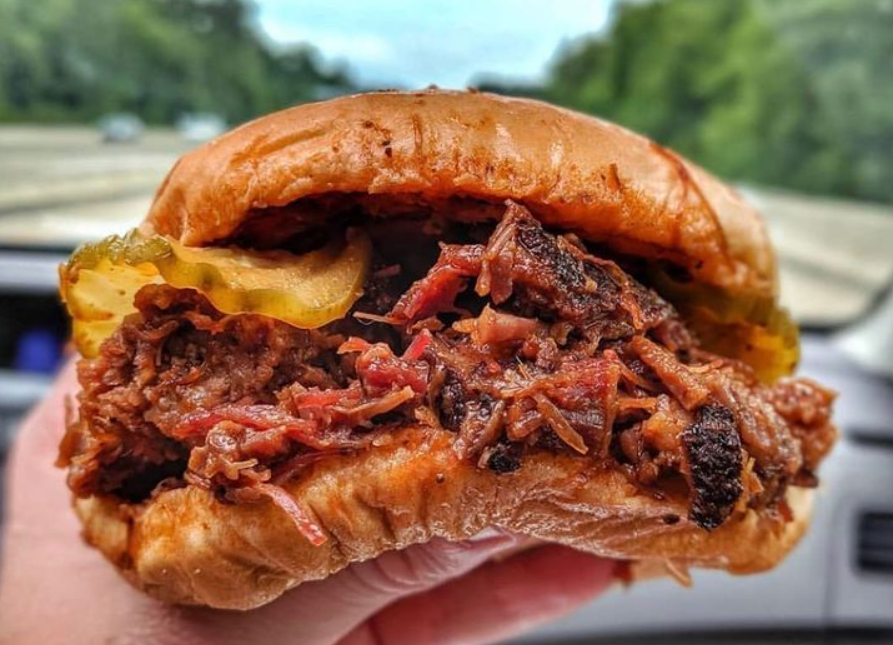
389,43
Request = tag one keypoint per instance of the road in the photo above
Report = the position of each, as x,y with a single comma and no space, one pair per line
835,256
61,185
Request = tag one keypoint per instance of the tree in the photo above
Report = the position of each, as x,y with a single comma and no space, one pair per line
77,59
788,92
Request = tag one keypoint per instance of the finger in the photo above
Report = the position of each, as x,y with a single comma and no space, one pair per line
42,428
496,601
37,496
323,612
41,538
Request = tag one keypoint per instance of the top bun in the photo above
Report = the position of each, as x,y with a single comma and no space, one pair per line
572,171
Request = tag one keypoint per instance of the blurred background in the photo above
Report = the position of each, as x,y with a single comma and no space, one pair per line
791,100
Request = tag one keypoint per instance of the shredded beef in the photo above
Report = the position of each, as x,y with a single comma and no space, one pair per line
523,342
806,407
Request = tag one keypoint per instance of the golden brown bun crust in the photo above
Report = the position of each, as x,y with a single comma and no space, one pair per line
186,547
571,170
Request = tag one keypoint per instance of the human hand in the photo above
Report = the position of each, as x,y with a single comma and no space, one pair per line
55,589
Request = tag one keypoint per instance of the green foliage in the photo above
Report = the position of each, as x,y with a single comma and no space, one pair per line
796,93
77,59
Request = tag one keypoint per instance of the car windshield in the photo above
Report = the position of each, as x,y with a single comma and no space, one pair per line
790,100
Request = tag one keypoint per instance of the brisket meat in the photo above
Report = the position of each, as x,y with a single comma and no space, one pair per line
525,342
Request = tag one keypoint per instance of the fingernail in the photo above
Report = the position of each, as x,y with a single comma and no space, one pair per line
488,534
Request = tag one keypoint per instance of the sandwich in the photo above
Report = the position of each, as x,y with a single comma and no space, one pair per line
356,325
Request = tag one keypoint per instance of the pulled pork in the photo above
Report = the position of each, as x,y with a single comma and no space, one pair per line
524,342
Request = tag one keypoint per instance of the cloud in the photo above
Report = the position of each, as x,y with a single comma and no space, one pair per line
438,41
370,48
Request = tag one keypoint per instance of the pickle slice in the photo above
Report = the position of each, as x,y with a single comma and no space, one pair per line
100,281
98,298
772,351
746,326
307,291
132,249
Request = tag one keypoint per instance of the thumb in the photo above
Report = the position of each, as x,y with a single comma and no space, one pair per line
318,613
418,568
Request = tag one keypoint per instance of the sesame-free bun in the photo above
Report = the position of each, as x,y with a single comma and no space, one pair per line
186,547
572,171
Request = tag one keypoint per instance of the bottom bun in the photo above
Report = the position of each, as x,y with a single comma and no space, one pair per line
185,546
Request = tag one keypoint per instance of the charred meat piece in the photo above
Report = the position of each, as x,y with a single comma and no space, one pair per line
560,280
503,458
453,400
713,450
544,274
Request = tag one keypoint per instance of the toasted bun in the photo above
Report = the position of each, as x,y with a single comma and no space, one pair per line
186,547
573,171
